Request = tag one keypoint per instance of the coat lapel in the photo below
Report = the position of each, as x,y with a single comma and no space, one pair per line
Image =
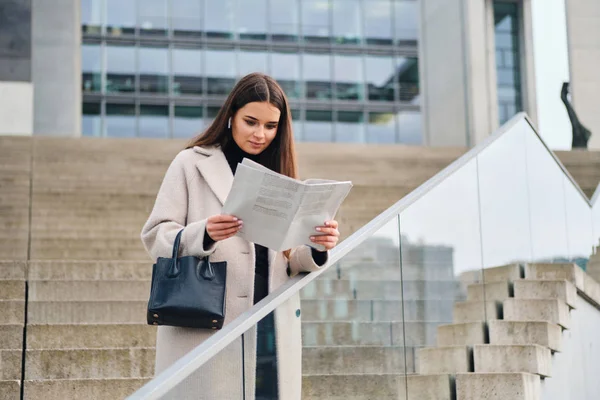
216,172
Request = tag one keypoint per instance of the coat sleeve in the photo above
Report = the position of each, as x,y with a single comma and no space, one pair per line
169,216
301,260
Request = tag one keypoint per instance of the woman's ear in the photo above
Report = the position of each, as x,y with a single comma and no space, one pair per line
229,123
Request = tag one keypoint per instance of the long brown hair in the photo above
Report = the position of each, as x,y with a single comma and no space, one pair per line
280,156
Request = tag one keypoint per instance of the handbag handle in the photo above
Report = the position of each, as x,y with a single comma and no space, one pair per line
204,270
174,270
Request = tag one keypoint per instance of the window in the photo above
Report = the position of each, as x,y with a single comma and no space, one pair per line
154,121
407,73
120,69
349,78
378,22
350,127
219,19
187,122
91,67
409,127
152,18
154,69
318,126
297,124
285,69
120,17
251,61
380,78
284,20
211,114
315,21
186,17
120,120
252,20
317,76
91,16
91,121
406,23
346,21
381,128
220,71
187,72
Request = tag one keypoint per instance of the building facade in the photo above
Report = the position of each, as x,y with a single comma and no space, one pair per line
419,72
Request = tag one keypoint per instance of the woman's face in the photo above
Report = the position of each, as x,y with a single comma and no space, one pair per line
254,126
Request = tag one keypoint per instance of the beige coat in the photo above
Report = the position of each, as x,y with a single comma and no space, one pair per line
194,188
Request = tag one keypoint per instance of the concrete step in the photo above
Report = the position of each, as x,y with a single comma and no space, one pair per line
10,389
380,289
461,334
11,337
12,290
476,311
86,312
344,360
411,333
82,389
96,336
76,270
547,289
89,290
493,291
13,249
13,270
554,311
10,364
505,273
83,249
89,363
444,360
498,386
376,310
525,332
376,386
557,272
529,358
13,312
592,287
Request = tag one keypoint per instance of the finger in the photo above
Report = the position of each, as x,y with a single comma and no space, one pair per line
331,224
224,225
324,239
328,231
222,218
225,232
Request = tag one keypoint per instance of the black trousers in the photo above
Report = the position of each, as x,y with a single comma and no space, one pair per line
266,353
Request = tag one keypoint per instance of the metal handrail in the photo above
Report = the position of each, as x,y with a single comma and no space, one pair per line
189,363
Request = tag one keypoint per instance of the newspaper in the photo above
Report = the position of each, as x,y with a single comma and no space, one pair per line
280,212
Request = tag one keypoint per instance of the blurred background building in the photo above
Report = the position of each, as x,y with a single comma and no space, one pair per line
362,71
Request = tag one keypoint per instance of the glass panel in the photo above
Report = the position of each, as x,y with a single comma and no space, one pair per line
349,78
154,70
407,73
346,21
187,121
596,218
186,17
316,21
352,324
297,124
120,67
580,233
284,20
350,127
220,71
380,78
91,67
219,19
91,16
252,19
91,121
152,18
251,61
120,120
410,127
318,126
317,76
211,114
505,226
406,23
285,68
546,200
154,121
378,21
187,71
381,128
441,258
120,17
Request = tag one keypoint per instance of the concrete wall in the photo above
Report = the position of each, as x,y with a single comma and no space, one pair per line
575,370
56,67
16,108
583,21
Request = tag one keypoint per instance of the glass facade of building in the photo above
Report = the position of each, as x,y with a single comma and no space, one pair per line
162,68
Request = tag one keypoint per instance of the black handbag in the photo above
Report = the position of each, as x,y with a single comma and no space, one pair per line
187,291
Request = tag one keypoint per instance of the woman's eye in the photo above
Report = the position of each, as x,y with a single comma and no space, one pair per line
271,127
251,123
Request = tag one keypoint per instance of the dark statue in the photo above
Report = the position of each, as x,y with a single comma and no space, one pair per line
581,134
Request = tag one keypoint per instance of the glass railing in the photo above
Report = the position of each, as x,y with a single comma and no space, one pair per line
355,328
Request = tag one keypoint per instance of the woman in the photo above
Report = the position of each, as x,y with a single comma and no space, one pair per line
254,122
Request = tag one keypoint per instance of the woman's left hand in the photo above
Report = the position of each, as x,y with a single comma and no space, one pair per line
328,235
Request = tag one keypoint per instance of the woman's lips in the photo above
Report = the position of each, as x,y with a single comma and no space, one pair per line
256,145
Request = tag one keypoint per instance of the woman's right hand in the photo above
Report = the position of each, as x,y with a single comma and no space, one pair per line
221,227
